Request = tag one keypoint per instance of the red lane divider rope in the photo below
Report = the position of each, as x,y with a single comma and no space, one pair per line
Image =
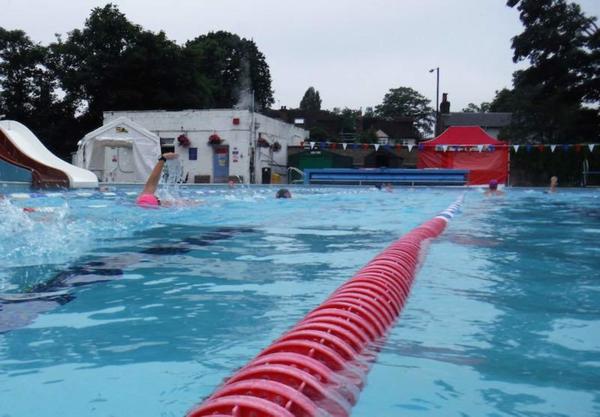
318,368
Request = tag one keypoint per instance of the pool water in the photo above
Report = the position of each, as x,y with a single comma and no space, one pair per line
149,310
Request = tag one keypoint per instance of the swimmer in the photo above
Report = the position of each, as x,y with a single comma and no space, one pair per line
553,184
147,198
25,209
493,188
283,193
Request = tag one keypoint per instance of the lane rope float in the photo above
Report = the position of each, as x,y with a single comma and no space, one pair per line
318,368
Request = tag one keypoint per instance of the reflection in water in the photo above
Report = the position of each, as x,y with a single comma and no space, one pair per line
20,309
503,318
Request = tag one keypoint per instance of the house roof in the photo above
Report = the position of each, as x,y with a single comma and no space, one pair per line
464,135
381,134
494,119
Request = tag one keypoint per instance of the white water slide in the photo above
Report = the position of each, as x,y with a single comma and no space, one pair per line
28,151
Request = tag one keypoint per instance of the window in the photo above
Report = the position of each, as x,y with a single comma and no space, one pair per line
193,154
167,145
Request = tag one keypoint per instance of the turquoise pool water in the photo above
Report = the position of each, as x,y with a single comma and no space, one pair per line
151,309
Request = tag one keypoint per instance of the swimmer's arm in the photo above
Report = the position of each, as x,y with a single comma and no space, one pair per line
152,181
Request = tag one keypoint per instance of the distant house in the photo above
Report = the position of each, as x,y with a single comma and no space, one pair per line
491,122
400,130
382,137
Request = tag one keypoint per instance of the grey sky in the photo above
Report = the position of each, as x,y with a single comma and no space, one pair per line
351,51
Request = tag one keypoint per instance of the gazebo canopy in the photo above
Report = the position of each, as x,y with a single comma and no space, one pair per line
488,162
464,135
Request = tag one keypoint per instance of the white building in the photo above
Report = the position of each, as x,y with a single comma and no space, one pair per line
253,147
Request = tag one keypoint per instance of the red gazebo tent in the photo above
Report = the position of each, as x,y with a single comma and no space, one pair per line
467,147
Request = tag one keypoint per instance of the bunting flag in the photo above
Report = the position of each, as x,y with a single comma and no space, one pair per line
578,147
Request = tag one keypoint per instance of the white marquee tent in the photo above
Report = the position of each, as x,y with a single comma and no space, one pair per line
119,151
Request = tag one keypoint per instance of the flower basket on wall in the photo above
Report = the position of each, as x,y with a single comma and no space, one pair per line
183,140
276,146
214,139
262,143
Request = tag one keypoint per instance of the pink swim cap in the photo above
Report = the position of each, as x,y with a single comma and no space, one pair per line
147,201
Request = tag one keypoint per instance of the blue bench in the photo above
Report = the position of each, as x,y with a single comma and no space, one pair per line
350,176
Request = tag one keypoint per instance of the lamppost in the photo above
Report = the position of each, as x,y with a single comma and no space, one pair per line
437,97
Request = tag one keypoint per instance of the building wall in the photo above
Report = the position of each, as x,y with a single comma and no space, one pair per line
235,129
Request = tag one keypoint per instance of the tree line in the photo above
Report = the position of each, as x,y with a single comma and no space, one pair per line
555,100
60,90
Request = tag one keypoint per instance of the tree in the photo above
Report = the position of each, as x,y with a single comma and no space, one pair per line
368,136
29,91
319,133
22,75
348,120
113,64
235,68
549,97
158,74
474,108
406,102
311,100
89,63
369,112
562,46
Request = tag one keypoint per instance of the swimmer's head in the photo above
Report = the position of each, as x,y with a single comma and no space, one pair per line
148,201
493,185
283,193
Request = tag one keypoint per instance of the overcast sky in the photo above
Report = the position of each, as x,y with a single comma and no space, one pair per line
351,51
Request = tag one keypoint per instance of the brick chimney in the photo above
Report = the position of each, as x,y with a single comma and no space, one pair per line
445,104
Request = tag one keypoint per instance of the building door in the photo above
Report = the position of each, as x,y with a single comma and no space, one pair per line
220,164
118,164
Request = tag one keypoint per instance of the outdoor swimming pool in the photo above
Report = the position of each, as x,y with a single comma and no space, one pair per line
153,308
